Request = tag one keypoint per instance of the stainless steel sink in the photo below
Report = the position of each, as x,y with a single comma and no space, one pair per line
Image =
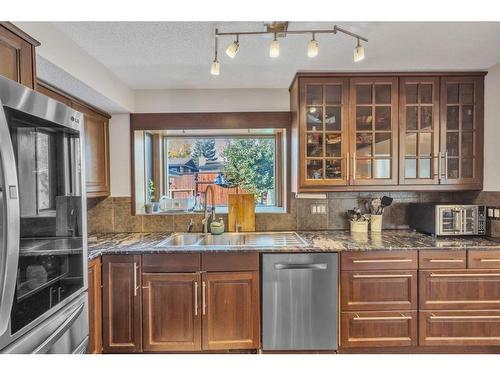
229,240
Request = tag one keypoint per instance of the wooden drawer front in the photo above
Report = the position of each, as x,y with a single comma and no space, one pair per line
483,259
230,262
378,329
152,263
381,290
447,328
379,260
459,289
435,259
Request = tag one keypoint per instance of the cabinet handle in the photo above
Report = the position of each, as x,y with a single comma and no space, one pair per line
489,260
347,162
203,302
135,279
463,274
195,298
446,166
446,260
382,260
354,165
440,156
457,317
402,317
380,276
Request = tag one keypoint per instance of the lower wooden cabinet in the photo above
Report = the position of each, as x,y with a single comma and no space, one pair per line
459,328
378,329
171,312
95,306
122,294
231,310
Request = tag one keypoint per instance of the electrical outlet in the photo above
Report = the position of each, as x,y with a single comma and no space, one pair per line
319,208
493,213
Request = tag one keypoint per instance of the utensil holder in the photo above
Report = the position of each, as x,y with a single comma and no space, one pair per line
376,223
359,226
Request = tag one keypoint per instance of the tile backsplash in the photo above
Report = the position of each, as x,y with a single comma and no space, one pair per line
113,214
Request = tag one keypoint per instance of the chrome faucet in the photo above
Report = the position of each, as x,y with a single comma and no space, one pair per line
190,226
208,214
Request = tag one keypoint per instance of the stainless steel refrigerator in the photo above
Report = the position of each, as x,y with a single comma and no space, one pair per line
43,244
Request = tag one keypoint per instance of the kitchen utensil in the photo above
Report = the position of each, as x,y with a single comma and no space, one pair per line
385,202
376,202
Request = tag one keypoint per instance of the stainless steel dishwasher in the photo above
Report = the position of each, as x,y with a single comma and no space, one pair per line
300,301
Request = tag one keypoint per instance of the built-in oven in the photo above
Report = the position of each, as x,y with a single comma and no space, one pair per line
42,217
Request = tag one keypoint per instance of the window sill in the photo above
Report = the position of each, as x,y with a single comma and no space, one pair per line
218,210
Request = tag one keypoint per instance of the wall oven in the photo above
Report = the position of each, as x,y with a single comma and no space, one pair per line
43,257
448,219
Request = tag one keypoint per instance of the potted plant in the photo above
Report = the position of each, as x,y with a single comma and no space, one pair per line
148,207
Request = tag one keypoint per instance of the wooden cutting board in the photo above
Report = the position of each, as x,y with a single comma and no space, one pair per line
241,210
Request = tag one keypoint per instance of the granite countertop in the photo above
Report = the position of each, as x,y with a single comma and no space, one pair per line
320,241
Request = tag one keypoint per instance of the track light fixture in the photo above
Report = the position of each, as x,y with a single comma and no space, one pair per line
359,52
312,47
274,48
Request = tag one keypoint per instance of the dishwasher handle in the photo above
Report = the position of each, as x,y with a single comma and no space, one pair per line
300,266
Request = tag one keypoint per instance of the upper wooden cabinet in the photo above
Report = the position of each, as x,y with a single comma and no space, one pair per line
17,55
97,172
370,131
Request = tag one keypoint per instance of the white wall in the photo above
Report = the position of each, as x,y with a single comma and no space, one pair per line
119,154
492,130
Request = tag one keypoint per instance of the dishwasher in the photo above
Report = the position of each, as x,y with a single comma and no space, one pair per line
300,301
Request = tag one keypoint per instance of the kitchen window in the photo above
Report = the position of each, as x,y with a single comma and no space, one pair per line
177,166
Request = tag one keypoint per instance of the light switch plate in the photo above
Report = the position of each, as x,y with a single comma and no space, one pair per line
319,208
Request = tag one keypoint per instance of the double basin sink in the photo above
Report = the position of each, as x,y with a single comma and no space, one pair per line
233,240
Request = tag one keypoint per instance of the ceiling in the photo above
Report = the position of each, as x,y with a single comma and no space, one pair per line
177,55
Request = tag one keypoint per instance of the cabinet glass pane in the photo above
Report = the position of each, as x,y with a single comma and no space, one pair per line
314,95
411,168
382,168
314,119
411,93
314,169
452,94
467,93
453,167
383,94
333,94
467,117
425,144
382,144
364,94
426,94
383,118
467,168
452,144
452,118
315,145
425,118
364,118
467,144
363,168
424,168
333,169
364,144
411,144
333,145
411,118
333,119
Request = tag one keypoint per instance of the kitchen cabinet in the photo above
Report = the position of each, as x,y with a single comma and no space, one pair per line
374,131
97,172
172,312
95,306
122,297
17,55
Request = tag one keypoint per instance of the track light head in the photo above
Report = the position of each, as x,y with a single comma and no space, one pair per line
274,49
233,48
312,47
215,68
359,52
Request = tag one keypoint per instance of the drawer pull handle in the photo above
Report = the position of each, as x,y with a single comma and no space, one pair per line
463,274
195,298
382,260
367,318
457,317
379,276
489,260
446,261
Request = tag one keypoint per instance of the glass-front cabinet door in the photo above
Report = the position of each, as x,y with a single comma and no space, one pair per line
462,130
374,130
419,131
323,131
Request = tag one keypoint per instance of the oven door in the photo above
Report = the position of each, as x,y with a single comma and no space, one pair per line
449,220
470,220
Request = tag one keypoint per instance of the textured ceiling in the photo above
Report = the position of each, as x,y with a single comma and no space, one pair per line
177,55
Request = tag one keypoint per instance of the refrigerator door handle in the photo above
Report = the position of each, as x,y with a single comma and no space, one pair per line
9,233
